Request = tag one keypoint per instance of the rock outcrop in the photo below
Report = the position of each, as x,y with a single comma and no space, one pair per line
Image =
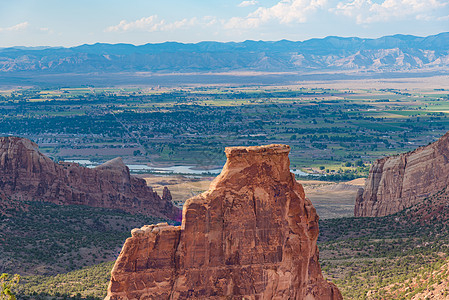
252,235
397,182
27,174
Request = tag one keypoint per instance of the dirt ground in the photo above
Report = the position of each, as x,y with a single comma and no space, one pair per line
331,200
181,187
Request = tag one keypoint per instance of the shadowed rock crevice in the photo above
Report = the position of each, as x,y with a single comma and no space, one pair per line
252,235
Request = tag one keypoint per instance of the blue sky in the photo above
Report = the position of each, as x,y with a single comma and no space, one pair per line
75,22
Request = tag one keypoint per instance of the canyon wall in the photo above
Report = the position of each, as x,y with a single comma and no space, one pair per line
27,174
252,235
397,182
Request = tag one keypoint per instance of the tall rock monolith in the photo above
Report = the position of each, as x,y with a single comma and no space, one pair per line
252,235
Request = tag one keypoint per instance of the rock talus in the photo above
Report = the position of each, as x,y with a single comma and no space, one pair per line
252,235
27,174
397,182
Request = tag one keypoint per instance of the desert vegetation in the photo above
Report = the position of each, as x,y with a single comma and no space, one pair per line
392,257
48,239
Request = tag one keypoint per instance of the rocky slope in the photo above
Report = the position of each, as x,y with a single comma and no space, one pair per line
397,182
252,235
438,285
27,174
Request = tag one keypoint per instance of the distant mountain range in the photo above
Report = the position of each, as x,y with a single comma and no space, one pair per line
397,53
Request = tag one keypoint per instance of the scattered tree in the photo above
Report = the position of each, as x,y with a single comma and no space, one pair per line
7,285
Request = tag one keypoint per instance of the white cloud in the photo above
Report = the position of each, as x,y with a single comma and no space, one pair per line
45,30
248,3
367,11
17,27
209,20
184,23
151,23
154,23
294,12
285,11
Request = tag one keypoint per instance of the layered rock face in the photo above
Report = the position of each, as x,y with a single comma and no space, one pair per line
252,235
27,174
397,182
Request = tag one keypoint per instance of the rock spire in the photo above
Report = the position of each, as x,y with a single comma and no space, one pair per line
252,235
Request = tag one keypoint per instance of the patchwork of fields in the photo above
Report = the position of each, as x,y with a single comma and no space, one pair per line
330,125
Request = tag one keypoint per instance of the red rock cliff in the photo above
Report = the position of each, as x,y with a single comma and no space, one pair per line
252,235
397,182
27,174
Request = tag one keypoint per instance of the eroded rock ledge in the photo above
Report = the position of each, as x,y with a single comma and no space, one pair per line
252,235
397,182
27,174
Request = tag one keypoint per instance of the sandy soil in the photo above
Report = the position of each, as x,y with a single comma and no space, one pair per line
181,187
333,200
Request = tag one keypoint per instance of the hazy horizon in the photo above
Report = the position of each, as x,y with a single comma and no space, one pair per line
216,41
69,23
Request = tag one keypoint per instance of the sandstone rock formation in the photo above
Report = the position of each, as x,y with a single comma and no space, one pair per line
252,235
397,182
27,174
